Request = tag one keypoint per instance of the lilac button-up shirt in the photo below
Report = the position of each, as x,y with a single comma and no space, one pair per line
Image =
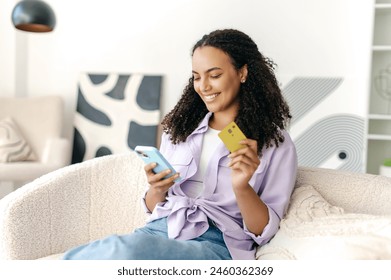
187,218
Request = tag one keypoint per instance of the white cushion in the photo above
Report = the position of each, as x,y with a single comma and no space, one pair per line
13,147
314,229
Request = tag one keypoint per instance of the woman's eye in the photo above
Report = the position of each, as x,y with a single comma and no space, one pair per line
216,76
196,78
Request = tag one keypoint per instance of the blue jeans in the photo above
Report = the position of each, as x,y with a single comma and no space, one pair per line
151,242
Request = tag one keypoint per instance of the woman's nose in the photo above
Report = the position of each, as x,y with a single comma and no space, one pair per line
205,86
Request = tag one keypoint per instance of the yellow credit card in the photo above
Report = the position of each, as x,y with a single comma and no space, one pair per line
231,135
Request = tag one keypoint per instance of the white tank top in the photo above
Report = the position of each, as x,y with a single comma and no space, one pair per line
209,144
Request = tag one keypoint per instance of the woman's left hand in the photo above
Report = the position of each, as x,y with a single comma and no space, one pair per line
243,163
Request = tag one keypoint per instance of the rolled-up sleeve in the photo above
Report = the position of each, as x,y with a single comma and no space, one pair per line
276,187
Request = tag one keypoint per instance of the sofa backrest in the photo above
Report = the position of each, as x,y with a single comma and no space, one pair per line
354,192
38,118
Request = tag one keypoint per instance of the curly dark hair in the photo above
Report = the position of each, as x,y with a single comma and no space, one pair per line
263,113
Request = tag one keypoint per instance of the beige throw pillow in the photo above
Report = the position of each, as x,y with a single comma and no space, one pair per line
13,147
314,229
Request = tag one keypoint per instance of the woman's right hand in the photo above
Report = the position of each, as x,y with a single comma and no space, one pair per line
158,185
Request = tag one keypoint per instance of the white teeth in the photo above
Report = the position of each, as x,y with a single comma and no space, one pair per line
210,97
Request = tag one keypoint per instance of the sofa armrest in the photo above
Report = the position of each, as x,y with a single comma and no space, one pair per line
71,206
57,151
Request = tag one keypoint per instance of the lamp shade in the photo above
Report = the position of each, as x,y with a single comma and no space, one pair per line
33,16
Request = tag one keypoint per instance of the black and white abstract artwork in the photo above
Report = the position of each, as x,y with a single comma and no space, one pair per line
336,140
115,113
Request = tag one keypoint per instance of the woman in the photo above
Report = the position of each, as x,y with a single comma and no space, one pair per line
227,203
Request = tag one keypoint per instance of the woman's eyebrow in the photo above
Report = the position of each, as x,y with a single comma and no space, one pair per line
209,70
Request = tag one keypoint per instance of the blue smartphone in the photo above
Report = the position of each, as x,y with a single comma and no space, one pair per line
150,154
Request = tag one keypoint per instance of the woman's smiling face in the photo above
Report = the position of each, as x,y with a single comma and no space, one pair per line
216,80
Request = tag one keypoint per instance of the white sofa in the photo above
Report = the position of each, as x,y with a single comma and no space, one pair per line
39,121
332,214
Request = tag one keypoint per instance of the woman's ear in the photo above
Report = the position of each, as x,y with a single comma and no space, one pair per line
243,73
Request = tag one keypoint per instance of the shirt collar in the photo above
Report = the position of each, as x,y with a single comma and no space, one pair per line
204,124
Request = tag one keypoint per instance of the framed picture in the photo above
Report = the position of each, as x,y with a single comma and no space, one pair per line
115,113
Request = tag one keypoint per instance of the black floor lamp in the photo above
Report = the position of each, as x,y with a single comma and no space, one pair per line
33,16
